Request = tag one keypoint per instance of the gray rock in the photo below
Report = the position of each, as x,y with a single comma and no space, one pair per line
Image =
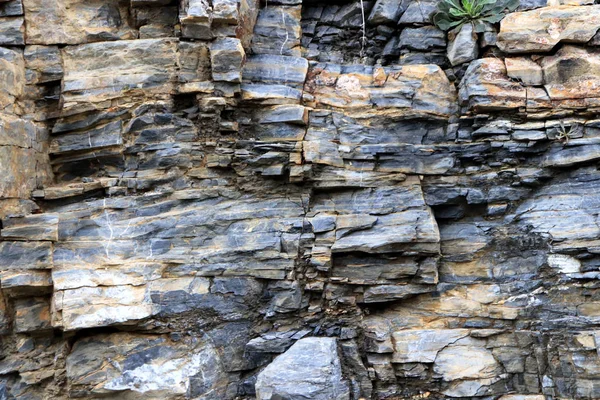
11,8
386,12
418,13
462,46
278,31
422,39
12,31
148,365
276,69
227,56
311,368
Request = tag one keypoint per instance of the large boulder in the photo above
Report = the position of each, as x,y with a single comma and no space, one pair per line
310,369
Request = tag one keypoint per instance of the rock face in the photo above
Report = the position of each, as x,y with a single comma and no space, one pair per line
540,30
287,199
310,369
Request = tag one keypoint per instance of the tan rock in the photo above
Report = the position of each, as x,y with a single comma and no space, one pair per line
12,78
401,91
146,69
416,345
540,30
466,362
572,73
486,87
76,21
525,70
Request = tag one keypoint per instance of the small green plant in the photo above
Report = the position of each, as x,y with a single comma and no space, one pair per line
455,13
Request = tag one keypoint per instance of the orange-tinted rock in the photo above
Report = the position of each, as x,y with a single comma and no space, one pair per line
540,30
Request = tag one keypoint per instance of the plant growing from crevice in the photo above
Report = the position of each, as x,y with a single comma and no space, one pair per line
564,134
453,14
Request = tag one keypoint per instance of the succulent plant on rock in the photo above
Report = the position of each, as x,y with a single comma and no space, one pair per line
453,14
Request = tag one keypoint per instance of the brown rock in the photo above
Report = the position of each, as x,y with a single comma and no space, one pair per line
76,21
573,73
401,91
525,70
146,68
486,87
540,30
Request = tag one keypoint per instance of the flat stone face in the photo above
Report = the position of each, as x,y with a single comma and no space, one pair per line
76,21
463,46
525,70
540,30
410,91
486,86
278,31
146,68
276,69
466,362
144,365
572,73
12,31
311,368
423,345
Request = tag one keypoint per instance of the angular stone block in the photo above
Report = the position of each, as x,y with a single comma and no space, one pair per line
227,56
311,368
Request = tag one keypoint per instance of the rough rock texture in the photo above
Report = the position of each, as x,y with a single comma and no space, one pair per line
311,368
234,199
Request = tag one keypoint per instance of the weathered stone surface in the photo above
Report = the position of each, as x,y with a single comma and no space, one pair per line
572,73
276,69
410,91
227,56
462,46
152,366
422,39
540,30
525,70
147,68
205,20
386,12
12,31
311,368
195,206
278,31
76,21
486,87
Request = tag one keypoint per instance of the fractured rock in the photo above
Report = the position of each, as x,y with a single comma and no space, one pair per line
462,46
76,21
540,30
227,56
311,368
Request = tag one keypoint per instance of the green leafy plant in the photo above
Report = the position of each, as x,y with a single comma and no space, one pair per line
455,13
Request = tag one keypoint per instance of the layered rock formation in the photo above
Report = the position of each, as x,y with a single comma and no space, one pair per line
234,199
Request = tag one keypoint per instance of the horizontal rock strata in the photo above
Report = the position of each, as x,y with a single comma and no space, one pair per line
287,199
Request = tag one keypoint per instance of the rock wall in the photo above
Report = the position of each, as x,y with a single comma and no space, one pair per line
327,200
